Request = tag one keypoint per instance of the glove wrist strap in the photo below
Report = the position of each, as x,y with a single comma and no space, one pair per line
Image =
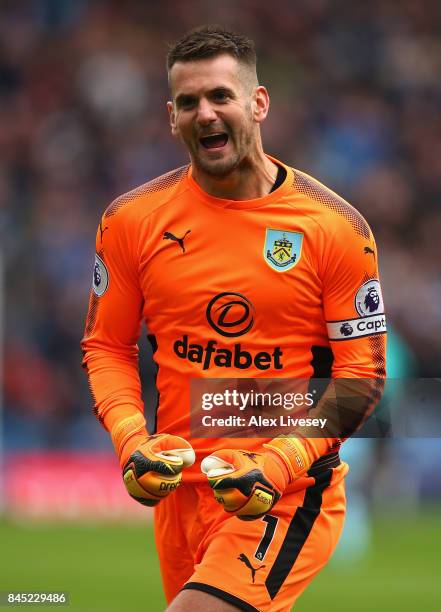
131,428
293,453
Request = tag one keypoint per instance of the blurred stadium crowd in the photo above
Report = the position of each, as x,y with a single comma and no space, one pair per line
356,93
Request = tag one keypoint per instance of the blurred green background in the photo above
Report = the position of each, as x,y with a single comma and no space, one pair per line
111,568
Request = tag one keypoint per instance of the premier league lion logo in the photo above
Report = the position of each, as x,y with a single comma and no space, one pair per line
372,299
368,300
96,275
100,277
346,329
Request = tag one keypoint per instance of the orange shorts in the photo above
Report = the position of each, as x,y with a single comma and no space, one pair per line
261,565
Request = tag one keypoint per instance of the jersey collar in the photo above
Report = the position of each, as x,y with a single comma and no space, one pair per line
278,193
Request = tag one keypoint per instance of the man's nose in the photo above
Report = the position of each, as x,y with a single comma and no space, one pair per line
206,113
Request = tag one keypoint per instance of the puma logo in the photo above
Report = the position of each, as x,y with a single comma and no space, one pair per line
369,250
245,560
102,230
180,241
251,456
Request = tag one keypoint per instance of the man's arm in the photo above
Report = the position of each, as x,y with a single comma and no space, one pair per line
110,350
152,465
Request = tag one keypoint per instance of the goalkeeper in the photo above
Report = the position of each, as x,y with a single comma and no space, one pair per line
240,267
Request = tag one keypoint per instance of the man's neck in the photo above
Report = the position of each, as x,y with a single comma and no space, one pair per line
253,179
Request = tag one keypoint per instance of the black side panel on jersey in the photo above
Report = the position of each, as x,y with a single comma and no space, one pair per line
153,416
322,360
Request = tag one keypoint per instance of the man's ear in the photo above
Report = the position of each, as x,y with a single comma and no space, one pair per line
261,103
172,117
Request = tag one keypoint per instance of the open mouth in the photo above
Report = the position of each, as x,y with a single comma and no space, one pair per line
214,141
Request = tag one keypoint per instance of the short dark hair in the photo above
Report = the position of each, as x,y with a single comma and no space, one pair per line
210,41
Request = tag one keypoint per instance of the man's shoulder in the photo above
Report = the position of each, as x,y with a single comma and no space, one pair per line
328,206
149,196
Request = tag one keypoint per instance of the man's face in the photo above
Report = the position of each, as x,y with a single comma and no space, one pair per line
214,112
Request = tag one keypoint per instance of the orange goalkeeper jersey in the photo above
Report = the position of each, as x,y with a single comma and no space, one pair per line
229,289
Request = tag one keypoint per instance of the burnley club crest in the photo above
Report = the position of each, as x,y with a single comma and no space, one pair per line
283,249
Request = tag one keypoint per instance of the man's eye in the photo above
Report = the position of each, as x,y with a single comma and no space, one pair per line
187,102
220,95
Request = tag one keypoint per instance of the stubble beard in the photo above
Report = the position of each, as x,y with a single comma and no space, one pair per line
221,168
217,168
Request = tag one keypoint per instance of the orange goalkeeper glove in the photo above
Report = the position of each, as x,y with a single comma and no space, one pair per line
152,465
154,469
248,484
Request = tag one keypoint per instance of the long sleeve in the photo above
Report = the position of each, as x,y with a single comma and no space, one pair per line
354,313
113,322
